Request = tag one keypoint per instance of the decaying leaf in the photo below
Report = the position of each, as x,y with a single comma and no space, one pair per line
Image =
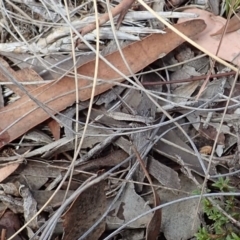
11,223
184,92
37,174
10,188
42,196
214,6
111,159
177,219
29,206
165,175
183,73
129,206
61,94
210,133
86,210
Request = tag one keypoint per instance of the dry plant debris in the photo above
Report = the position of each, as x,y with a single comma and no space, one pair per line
106,126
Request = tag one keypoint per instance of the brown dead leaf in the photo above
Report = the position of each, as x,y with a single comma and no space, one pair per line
10,220
230,46
23,75
153,227
7,170
111,159
55,128
210,133
206,150
42,196
86,209
61,94
233,25
11,223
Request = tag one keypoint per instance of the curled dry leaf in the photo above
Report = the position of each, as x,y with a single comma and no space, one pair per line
206,150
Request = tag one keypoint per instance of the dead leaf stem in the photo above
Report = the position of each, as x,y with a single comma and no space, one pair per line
195,78
154,225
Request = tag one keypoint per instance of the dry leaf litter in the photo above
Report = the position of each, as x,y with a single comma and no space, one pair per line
105,127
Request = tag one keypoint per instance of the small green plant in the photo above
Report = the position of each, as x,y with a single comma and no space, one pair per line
234,3
219,226
203,234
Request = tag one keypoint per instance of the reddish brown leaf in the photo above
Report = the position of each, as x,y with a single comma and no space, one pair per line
7,170
233,25
153,227
23,75
210,133
61,94
87,208
55,128
11,223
